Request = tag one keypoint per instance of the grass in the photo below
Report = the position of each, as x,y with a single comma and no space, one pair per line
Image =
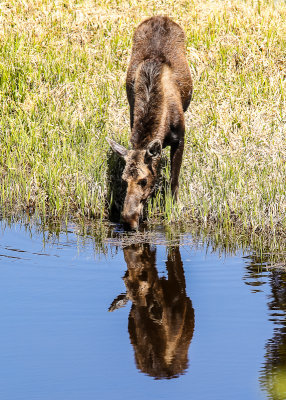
62,77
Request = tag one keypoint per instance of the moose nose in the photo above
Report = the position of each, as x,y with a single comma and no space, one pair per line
130,222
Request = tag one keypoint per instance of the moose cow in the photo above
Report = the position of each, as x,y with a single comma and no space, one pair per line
159,90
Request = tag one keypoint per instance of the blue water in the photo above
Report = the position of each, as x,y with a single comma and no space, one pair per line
58,340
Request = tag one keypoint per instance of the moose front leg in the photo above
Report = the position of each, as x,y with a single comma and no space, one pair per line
177,149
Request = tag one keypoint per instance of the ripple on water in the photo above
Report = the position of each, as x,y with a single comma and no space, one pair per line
185,319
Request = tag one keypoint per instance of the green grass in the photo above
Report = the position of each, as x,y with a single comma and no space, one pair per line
62,91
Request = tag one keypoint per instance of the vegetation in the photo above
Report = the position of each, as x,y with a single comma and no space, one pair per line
62,76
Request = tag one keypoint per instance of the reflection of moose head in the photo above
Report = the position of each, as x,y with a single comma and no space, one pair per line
161,320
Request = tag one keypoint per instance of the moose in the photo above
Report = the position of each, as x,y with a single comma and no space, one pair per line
161,320
159,90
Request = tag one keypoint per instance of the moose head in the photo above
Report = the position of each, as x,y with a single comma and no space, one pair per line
140,174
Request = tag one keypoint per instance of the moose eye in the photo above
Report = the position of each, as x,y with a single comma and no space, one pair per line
142,182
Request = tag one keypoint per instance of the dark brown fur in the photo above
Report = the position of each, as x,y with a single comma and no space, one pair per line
159,90
161,319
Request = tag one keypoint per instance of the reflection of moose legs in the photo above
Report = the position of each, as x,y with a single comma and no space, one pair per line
161,320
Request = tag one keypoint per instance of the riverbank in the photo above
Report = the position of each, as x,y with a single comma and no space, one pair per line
63,67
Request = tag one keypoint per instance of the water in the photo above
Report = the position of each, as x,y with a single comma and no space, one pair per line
183,321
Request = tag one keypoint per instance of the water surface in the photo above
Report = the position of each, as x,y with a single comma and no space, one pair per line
150,319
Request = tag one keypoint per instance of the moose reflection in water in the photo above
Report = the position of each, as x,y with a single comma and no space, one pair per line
161,319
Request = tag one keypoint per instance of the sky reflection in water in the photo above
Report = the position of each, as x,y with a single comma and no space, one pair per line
185,323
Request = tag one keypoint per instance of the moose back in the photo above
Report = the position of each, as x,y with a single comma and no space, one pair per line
159,90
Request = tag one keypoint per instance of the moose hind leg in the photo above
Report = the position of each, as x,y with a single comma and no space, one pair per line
176,162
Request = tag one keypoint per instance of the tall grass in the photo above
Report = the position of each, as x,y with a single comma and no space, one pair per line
62,74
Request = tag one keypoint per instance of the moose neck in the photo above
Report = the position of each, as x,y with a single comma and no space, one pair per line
150,108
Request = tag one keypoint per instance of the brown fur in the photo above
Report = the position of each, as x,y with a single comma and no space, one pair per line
159,90
161,319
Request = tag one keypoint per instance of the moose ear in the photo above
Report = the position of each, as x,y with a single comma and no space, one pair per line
120,301
154,148
117,148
